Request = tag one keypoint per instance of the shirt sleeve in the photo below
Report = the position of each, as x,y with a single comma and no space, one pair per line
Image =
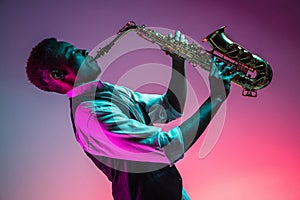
105,131
157,106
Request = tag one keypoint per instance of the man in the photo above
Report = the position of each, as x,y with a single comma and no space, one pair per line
114,125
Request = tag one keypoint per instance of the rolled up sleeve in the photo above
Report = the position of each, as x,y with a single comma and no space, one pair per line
157,106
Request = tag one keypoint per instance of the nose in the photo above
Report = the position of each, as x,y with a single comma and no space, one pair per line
84,52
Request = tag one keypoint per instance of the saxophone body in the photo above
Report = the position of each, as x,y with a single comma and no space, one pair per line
254,73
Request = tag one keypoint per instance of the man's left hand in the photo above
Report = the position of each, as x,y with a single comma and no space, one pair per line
179,37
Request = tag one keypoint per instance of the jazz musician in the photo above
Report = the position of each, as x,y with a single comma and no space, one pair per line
114,125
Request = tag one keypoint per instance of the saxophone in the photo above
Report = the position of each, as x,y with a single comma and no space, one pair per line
253,72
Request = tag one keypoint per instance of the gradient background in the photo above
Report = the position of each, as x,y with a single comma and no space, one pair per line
257,155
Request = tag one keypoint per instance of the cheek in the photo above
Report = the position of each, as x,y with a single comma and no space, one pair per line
76,62
72,75
86,71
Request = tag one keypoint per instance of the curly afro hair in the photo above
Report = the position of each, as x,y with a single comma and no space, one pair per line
42,60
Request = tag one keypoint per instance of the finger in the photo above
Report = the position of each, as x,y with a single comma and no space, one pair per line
220,64
186,41
230,76
214,68
227,70
182,38
228,67
177,35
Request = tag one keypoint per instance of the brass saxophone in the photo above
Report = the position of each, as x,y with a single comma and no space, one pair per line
254,73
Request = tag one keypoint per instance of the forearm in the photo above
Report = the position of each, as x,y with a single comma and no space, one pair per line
193,127
220,80
176,93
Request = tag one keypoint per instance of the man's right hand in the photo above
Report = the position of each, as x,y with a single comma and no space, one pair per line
220,77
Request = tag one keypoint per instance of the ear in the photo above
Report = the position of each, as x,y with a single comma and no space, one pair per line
58,74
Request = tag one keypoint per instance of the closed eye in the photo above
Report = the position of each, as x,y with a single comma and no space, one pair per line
74,51
70,50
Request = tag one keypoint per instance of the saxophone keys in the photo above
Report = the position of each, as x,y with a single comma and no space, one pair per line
249,93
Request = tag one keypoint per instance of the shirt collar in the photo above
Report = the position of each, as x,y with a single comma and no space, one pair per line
81,89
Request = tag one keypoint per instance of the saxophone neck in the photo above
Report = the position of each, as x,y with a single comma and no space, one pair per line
128,26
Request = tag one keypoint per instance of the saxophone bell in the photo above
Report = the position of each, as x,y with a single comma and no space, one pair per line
254,74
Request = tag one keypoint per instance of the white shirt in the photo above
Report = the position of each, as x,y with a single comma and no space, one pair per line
112,123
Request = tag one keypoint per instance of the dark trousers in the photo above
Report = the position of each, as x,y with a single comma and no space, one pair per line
162,184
